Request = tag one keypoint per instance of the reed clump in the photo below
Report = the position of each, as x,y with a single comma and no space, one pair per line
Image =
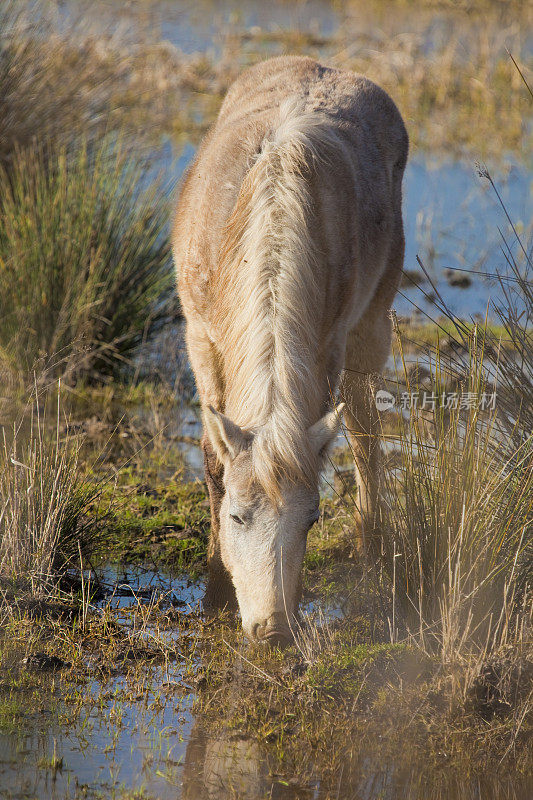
84,260
456,532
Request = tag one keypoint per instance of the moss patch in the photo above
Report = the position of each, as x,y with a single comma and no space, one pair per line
165,521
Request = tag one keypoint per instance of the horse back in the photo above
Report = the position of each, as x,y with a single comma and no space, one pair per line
307,161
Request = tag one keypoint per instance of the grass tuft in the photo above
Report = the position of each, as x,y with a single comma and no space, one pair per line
457,522
43,503
84,260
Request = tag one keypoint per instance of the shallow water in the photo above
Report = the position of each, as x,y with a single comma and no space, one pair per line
132,738
194,26
163,750
453,219
147,736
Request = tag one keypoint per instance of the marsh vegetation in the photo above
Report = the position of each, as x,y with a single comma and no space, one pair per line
412,673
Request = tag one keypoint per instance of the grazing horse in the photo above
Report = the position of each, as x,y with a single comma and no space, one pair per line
288,243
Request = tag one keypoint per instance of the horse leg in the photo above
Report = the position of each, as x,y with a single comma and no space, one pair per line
367,349
220,592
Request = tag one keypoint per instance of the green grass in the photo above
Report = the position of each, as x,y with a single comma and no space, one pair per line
84,260
342,670
11,713
165,521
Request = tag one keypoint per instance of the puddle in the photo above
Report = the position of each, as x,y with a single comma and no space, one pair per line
122,585
130,734
100,754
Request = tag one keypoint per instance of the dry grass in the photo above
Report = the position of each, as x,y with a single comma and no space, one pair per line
458,529
454,554
446,66
50,88
451,565
458,514
43,501
453,96
449,72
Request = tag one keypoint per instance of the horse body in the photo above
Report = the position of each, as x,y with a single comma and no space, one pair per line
289,246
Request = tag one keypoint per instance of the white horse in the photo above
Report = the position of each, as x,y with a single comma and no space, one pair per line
288,243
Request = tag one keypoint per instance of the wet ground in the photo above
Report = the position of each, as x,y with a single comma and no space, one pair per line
143,736
138,731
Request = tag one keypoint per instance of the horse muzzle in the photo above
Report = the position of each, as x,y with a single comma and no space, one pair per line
274,631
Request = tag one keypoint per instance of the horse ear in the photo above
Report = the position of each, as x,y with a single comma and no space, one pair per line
325,430
227,438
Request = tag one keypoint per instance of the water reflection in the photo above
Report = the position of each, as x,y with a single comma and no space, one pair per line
130,741
233,768
229,767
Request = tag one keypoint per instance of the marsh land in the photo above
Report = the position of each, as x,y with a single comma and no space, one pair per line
411,675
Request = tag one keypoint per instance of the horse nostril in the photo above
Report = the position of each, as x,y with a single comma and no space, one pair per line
260,631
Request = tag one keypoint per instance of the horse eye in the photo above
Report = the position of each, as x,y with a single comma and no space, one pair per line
236,519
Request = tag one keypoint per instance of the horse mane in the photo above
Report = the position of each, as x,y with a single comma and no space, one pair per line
271,291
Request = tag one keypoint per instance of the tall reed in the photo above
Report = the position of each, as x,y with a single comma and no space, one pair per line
456,538
457,515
